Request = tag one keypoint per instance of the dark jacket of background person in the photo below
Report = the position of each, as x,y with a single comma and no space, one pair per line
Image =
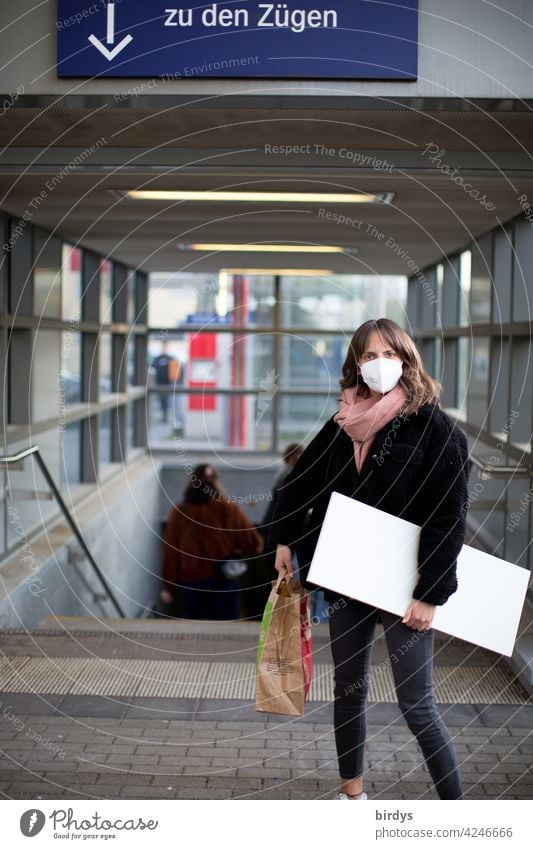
291,456
221,527
422,476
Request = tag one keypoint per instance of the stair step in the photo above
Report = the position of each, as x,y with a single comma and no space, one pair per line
143,678
177,627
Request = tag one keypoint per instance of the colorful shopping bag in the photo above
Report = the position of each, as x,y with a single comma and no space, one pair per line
284,653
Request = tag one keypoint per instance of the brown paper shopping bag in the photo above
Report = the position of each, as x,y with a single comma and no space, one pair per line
284,653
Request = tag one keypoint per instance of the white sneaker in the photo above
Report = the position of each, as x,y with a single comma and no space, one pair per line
362,797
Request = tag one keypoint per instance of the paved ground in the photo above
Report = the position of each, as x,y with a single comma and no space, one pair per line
98,746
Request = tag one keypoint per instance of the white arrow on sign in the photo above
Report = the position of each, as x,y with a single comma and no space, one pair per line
110,38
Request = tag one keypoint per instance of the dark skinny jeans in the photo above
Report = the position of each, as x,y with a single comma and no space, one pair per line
352,633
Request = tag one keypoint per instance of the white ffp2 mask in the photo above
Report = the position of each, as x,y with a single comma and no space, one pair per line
381,374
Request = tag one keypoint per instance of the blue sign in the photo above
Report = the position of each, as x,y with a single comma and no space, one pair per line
207,318
330,39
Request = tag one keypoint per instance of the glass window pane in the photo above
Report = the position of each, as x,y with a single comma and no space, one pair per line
312,362
522,265
440,285
502,274
437,357
465,280
463,371
104,344
499,388
106,289
131,413
70,447
301,417
521,391
44,370
201,299
105,438
131,360
340,301
211,421
71,367
20,268
71,282
223,360
46,274
130,298
481,280
478,386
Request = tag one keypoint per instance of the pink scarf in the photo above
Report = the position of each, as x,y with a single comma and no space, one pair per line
361,418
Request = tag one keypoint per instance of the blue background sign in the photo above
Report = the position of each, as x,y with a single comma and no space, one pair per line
312,39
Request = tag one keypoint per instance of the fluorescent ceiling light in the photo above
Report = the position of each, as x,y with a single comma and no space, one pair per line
255,197
261,248
293,272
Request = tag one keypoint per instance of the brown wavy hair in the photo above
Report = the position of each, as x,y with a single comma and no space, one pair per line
420,387
205,477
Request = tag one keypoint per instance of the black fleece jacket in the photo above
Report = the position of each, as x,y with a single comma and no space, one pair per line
417,468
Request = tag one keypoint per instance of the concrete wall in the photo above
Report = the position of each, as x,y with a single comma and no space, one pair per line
120,525
466,49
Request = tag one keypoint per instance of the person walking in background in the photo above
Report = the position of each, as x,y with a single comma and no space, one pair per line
423,478
202,530
167,370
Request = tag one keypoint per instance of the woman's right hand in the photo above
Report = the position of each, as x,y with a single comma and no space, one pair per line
284,560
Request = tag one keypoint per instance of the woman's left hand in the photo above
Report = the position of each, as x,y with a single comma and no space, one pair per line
419,615
166,596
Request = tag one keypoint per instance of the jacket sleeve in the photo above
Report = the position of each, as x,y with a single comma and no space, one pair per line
300,488
444,497
245,535
170,554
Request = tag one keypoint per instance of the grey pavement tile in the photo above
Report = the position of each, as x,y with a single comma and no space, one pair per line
164,748
514,716
147,708
459,714
109,747
147,792
93,706
27,705
177,763
103,791
189,793
224,710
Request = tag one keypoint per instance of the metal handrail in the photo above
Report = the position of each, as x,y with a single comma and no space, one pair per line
489,471
16,458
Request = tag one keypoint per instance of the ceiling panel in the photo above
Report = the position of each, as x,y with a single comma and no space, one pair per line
209,148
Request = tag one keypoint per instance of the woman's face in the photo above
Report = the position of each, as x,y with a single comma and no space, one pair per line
377,346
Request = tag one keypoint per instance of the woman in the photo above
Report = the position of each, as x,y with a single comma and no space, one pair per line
391,446
205,528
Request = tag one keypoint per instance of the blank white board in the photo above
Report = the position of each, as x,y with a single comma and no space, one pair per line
367,554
